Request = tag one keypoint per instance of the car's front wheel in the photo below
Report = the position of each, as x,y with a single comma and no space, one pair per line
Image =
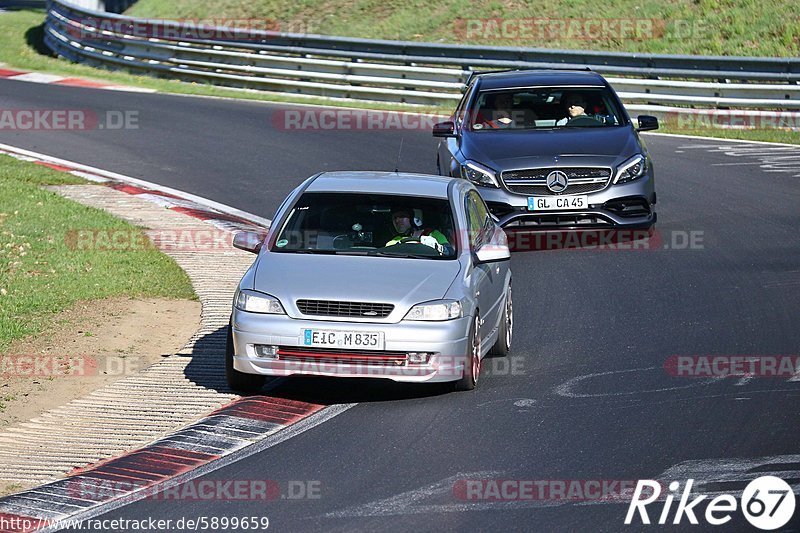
472,365
503,344
239,381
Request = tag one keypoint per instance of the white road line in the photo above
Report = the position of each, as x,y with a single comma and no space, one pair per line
717,139
737,164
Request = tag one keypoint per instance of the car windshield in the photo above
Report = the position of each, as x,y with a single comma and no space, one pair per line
545,108
369,224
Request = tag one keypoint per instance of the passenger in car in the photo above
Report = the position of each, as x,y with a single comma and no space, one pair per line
496,112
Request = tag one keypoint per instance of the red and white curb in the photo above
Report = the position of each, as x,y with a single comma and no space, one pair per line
237,430
220,215
40,77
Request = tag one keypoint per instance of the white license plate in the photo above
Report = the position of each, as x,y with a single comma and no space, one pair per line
363,340
557,203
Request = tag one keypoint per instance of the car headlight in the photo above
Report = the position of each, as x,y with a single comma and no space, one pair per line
446,310
479,174
632,169
257,302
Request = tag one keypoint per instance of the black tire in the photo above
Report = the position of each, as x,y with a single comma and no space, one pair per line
472,368
239,381
506,330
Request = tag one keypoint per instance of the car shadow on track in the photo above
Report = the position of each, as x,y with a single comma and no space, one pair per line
207,369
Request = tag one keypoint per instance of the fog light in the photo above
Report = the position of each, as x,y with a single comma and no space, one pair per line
418,358
264,350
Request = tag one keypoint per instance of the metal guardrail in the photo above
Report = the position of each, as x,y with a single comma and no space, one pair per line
396,71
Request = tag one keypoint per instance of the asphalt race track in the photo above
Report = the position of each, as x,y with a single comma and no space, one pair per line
584,394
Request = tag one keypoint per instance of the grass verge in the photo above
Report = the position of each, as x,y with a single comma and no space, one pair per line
42,274
21,46
766,135
703,27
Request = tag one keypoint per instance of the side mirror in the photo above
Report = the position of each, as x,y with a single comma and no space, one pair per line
249,241
444,129
647,123
495,250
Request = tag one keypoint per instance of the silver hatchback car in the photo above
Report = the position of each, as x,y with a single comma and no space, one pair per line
373,274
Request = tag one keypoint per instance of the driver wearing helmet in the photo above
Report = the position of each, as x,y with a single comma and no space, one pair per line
409,229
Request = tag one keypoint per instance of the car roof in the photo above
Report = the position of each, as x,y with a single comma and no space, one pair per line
374,182
527,78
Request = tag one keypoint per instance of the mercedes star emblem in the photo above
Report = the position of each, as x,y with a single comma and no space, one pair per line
557,181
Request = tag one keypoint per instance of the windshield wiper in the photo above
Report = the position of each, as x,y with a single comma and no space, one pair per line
307,251
406,255
324,252
351,252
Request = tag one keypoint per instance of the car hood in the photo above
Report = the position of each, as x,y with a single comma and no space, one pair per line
506,150
402,282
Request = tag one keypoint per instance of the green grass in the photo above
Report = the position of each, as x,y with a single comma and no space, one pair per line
710,27
43,272
21,47
767,135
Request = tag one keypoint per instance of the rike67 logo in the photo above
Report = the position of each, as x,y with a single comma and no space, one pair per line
767,503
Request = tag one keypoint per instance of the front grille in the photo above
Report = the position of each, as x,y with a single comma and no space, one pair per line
352,357
533,181
334,308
